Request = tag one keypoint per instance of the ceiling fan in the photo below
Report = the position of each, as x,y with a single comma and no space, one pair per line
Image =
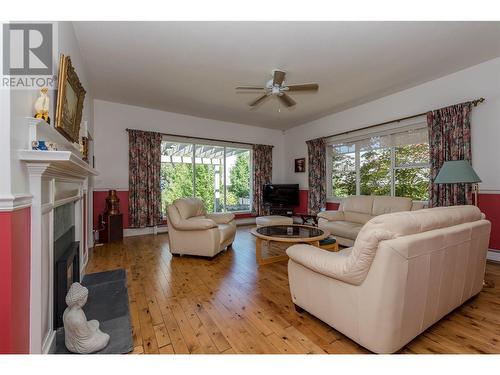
277,87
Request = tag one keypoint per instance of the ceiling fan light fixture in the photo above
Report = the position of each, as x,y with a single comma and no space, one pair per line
276,87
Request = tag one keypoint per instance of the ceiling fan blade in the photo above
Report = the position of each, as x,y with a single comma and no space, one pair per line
287,100
303,87
258,100
250,88
278,77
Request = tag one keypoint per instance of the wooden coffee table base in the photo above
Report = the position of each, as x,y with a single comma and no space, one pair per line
273,259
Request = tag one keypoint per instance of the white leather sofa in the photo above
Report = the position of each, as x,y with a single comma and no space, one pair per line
345,223
405,272
193,232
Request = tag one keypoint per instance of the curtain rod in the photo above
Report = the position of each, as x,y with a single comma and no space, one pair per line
202,139
474,102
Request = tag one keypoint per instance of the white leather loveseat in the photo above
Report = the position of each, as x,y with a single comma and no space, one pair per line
405,272
355,211
193,232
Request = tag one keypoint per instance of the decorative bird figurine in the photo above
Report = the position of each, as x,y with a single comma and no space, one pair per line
42,105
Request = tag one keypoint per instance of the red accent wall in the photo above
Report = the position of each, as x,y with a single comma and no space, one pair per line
490,206
302,208
100,204
15,237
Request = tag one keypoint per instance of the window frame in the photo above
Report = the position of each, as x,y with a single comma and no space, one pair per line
417,124
225,144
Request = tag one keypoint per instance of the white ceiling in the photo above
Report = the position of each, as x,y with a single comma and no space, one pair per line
193,67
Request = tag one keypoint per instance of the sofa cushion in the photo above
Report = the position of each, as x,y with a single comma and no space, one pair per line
189,207
387,205
342,228
226,231
390,226
357,217
406,223
360,203
331,215
221,217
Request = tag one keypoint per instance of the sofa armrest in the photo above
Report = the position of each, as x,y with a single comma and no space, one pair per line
196,224
221,217
324,262
331,215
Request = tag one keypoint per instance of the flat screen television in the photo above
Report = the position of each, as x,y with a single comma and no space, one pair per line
285,195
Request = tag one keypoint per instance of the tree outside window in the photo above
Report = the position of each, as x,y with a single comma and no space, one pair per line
401,170
221,177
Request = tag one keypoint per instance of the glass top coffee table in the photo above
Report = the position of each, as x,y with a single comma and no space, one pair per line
291,234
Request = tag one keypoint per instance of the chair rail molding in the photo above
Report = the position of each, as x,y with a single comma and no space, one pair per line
13,202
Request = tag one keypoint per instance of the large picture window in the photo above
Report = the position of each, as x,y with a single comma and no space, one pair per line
393,164
218,174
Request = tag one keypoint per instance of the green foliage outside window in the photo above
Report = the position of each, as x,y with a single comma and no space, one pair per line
239,176
411,175
177,182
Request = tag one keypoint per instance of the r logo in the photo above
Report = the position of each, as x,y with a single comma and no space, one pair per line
27,49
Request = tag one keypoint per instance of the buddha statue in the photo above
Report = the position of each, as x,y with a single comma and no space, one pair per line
81,336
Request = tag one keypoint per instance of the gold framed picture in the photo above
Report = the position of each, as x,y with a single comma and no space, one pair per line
70,96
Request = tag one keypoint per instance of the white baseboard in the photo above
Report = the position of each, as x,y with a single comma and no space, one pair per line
129,232
493,255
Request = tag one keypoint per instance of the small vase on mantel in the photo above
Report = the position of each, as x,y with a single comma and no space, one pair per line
112,203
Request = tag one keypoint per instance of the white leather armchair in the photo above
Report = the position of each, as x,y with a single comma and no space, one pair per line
193,232
405,272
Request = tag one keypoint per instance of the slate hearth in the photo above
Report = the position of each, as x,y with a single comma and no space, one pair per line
108,303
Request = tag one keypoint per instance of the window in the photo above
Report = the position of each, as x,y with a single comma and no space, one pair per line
394,164
343,171
218,174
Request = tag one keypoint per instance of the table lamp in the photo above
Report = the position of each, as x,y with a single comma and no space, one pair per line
458,172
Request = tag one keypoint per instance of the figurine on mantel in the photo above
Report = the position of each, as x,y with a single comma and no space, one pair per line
80,335
42,105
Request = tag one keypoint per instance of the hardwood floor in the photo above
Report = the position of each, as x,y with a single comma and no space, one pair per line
229,305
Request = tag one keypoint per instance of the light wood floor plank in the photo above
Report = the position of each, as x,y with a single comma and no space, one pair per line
230,305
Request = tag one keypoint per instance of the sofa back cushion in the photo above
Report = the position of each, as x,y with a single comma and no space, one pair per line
362,204
387,205
189,207
399,224
357,217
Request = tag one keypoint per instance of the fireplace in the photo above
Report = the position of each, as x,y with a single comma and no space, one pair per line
66,258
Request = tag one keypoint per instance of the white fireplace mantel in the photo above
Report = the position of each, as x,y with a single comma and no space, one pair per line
55,178
59,163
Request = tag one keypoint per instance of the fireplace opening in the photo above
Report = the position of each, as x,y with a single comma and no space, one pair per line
66,259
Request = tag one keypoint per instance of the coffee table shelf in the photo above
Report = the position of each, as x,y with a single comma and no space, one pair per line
291,234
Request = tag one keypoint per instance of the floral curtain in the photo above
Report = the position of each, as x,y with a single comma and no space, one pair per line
262,174
144,179
317,175
449,139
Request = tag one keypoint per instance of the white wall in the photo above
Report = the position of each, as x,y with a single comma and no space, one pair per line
111,139
22,103
482,80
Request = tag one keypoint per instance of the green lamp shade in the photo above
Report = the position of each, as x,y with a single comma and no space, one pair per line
456,172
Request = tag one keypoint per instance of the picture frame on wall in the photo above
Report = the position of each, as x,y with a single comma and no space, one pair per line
70,97
300,165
